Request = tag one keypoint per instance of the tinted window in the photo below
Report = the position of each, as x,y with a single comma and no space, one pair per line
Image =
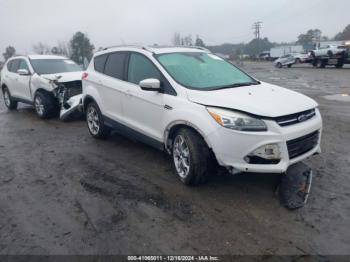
14,65
140,68
23,65
54,66
99,63
115,65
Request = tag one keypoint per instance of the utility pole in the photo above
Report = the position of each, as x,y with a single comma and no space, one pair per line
257,29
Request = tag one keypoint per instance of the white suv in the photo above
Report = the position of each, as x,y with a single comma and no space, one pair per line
50,83
200,108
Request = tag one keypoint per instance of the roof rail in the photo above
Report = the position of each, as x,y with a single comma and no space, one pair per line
135,46
183,46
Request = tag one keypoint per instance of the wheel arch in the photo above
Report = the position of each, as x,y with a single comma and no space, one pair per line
3,86
173,127
86,100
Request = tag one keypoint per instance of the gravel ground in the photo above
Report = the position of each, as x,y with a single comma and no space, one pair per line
62,192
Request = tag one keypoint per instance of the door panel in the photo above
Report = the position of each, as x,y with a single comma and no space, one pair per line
23,82
113,88
144,110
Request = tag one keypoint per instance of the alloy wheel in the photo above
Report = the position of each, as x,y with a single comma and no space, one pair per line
181,156
39,107
93,120
7,98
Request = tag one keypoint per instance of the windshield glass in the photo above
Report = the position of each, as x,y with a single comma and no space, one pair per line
54,66
203,71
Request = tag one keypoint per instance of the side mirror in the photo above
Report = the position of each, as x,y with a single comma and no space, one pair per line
23,72
150,84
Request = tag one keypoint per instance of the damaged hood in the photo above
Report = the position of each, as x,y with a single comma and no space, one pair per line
262,100
64,77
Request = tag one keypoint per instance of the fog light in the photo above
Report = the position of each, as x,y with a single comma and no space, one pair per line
270,151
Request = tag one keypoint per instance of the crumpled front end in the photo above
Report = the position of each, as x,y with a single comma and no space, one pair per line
69,95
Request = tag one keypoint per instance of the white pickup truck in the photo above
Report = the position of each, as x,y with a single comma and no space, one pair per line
52,84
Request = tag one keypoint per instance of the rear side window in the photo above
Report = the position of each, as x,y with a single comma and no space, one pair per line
99,62
15,65
9,64
140,68
115,65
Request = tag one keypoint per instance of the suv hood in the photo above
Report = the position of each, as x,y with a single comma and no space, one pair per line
262,100
64,77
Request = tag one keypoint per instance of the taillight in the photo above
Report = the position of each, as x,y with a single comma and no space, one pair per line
85,75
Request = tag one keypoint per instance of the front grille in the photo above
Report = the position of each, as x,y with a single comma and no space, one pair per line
302,145
295,118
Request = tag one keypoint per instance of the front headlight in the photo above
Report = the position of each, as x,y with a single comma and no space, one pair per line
236,121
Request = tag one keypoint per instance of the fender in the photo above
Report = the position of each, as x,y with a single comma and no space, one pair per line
181,122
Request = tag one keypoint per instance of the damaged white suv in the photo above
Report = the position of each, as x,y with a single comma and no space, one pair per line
200,109
51,83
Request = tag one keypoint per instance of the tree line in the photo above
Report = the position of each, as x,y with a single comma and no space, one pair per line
78,48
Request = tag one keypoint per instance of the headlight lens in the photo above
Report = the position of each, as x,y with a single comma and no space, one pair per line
236,121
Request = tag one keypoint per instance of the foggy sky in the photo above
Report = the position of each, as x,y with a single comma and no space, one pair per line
110,22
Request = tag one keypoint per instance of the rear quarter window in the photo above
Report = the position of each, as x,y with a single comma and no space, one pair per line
14,65
115,65
99,62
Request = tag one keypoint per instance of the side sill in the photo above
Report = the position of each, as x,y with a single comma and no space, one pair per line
133,134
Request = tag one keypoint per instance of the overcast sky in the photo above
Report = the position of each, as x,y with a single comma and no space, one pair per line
110,22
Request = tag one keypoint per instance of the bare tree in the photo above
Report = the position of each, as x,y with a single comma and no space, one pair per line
176,39
41,49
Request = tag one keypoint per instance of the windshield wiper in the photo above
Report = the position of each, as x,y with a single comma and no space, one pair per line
237,85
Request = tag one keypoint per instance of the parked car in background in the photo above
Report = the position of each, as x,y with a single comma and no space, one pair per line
52,84
328,50
301,58
200,109
286,60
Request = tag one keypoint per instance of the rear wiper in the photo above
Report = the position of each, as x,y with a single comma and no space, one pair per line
237,85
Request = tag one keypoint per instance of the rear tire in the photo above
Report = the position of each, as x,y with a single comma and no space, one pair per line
9,101
192,158
95,122
45,105
279,65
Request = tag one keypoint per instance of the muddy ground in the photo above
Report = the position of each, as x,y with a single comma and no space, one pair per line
62,192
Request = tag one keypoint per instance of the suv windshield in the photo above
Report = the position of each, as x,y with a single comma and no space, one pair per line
54,66
202,71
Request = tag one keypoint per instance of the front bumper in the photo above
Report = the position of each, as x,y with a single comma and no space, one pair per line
231,147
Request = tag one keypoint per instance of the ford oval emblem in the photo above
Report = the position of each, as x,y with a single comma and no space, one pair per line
302,118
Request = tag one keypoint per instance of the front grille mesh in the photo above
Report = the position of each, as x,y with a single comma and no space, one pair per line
302,145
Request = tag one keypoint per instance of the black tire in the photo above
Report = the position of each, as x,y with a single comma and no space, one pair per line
320,64
339,65
45,105
95,122
200,159
9,101
289,66
279,65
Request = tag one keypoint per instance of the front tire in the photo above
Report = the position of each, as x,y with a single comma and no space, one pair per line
279,65
9,102
95,122
45,105
191,157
